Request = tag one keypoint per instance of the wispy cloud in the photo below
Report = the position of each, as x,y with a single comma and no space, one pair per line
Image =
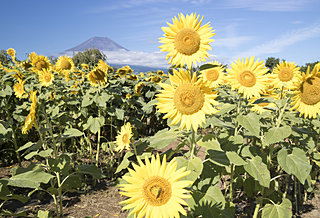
150,59
270,5
285,40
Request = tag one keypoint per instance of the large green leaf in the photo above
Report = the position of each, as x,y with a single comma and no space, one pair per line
235,158
213,195
163,138
250,122
210,144
219,157
72,133
92,170
195,167
119,113
258,170
94,124
125,162
276,134
278,211
295,163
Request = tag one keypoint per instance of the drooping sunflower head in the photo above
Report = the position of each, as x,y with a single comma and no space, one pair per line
154,189
248,77
19,91
104,67
39,63
33,97
28,123
307,93
138,88
186,40
214,76
156,79
123,71
285,75
123,137
160,72
12,53
133,77
64,63
96,77
186,100
46,77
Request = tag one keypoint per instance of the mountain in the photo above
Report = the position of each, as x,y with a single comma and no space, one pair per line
101,43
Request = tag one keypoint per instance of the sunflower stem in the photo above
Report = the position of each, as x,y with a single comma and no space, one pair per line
98,142
134,149
281,114
193,144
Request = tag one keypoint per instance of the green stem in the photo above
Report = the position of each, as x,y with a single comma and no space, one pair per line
60,194
16,146
98,143
55,203
281,113
231,182
193,143
52,136
296,194
259,204
134,149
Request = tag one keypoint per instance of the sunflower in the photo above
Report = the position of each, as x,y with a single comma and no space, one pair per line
186,100
26,65
30,120
32,56
306,92
154,190
104,67
156,79
64,63
186,40
96,77
46,77
160,72
39,63
12,53
285,75
85,66
123,71
33,97
214,76
138,88
128,96
123,137
142,74
248,77
19,91
133,77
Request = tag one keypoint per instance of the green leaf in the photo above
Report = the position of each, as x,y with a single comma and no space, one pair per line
92,170
207,66
30,179
276,134
278,211
94,124
148,108
3,130
125,162
219,157
46,153
213,195
43,214
225,108
119,113
250,122
72,133
258,170
295,163
163,138
195,166
86,101
25,146
210,144
235,158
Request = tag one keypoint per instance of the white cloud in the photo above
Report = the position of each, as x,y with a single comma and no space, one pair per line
283,41
270,5
150,59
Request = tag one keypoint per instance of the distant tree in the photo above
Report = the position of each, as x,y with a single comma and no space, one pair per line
304,68
271,62
89,56
5,59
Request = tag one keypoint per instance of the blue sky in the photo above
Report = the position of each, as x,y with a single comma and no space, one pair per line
283,29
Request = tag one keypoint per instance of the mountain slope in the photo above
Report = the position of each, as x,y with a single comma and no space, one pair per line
101,43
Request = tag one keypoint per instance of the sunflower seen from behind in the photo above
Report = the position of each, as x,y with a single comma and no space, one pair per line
186,100
306,93
123,138
285,75
214,76
154,188
247,76
186,41
12,53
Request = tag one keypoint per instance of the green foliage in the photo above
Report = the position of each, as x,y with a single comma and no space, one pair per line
90,57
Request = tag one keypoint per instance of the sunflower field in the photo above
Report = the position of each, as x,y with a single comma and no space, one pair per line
201,140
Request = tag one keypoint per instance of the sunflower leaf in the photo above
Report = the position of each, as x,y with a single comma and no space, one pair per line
258,170
276,134
207,66
250,122
278,211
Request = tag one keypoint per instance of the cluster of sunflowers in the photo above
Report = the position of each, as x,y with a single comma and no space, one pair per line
153,189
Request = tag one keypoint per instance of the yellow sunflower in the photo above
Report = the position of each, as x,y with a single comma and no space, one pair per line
123,137
85,66
46,77
28,123
96,77
248,77
160,72
123,71
19,91
307,93
33,97
138,88
214,76
154,190
156,79
39,63
104,67
26,65
285,75
12,53
32,56
133,77
186,100
142,74
64,63
186,40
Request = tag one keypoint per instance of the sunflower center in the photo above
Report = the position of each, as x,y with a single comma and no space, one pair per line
157,191
98,74
212,74
47,77
310,91
125,138
188,99
41,65
65,65
247,78
285,75
187,41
